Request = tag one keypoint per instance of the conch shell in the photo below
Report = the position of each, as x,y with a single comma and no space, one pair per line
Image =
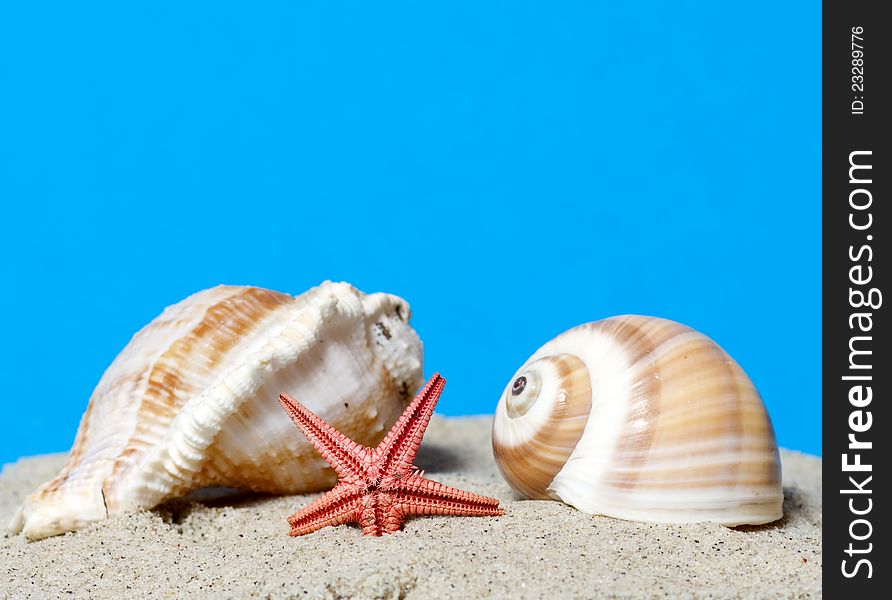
640,418
191,401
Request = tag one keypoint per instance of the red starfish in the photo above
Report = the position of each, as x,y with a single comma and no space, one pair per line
379,487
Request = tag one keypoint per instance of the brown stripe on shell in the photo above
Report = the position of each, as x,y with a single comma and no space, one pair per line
756,424
531,467
737,470
699,385
83,440
705,399
74,455
179,371
749,474
645,432
637,337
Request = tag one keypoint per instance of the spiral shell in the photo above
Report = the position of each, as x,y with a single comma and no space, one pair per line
640,418
192,400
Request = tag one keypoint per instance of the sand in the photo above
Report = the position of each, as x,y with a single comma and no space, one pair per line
238,547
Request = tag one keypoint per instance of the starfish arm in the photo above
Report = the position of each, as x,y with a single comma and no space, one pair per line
380,514
378,488
344,455
395,453
417,495
341,505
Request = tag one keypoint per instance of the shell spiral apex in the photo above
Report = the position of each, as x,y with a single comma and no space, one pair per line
640,418
192,400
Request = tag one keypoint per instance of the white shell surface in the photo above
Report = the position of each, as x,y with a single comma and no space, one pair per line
192,400
676,431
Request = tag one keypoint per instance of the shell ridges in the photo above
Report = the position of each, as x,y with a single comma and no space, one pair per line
677,432
192,400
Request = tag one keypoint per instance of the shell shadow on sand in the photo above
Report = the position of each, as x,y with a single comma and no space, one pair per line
441,459
431,457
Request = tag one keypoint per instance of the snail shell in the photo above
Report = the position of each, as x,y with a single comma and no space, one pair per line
192,400
640,418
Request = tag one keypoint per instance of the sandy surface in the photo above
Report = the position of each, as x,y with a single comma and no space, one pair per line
239,547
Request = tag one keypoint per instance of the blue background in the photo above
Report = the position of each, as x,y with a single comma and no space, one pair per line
511,170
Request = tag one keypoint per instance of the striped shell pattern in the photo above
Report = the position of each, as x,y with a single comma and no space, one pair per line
191,401
640,418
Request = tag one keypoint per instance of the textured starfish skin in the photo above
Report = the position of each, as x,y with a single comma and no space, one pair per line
379,487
